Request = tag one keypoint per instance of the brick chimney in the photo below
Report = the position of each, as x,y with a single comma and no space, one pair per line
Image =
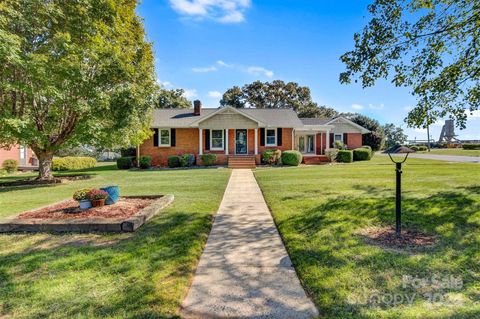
197,106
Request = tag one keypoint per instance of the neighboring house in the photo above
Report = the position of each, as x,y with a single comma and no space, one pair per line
231,133
23,155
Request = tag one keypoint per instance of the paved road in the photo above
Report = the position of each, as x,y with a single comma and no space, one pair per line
448,158
245,271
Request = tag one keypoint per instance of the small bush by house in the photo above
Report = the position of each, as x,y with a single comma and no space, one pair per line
209,159
173,161
145,162
345,156
339,145
125,162
331,153
362,154
471,146
10,165
271,157
369,148
292,158
187,160
73,162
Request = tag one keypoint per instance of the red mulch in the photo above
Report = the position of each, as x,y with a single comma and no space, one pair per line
386,237
124,208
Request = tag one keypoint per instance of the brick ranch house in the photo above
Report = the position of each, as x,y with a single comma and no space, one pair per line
23,155
241,135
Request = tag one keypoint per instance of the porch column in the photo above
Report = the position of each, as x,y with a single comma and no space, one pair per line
226,141
293,139
200,141
321,143
256,141
328,140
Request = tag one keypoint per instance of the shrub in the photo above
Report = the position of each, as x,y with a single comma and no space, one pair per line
145,162
128,152
10,165
81,194
339,145
331,154
362,154
96,194
422,148
173,161
369,148
414,147
292,158
125,162
209,159
345,156
187,160
271,157
73,163
471,146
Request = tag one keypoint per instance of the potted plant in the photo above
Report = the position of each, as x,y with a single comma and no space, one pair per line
97,197
81,196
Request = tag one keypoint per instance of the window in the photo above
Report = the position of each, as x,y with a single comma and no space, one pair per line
338,137
164,136
271,137
216,140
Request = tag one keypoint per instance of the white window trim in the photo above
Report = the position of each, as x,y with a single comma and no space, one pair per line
266,139
160,137
341,137
211,139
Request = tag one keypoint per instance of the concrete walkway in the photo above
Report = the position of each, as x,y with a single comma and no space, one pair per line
448,158
245,271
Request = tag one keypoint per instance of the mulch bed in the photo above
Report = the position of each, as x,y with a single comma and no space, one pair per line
124,208
56,180
386,237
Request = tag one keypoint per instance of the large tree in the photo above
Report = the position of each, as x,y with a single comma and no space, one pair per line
376,138
276,94
431,46
393,135
172,99
73,73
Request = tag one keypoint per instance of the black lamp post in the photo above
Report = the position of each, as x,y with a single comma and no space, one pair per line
399,149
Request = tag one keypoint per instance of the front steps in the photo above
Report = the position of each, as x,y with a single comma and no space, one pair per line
241,161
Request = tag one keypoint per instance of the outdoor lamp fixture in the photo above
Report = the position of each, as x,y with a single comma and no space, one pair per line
399,149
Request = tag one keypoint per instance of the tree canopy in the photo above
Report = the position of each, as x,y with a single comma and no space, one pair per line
431,46
276,94
394,135
376,138
73,73
172,99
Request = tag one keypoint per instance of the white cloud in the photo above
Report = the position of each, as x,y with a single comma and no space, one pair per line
376,107
224,64
259,70
223,11
215,94
205,69
357,107
190,93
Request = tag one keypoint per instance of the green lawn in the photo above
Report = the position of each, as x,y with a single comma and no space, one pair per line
140,275
453,151
319,211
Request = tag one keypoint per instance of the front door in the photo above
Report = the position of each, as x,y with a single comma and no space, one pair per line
23,156
240,141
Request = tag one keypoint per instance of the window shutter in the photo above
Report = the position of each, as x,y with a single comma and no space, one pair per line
279,136
332,140
262,136
155,137
345,139
207,140
173,137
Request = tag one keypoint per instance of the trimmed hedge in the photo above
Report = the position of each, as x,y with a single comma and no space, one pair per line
187,160
10,165
173,161
370,149
209,159
271,157
344,156
419,148
292,158
72,163
145,162
362,154
471,146
125,162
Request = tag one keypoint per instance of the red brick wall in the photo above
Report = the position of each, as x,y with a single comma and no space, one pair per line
14,153
354,140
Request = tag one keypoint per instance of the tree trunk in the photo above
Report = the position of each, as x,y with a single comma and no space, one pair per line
44,164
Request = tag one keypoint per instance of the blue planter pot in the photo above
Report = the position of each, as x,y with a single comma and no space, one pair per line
85,204
113,194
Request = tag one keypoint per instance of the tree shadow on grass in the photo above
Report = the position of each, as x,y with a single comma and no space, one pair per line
128,276
325,238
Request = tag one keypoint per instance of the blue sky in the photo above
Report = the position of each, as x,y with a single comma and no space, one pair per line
208,46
